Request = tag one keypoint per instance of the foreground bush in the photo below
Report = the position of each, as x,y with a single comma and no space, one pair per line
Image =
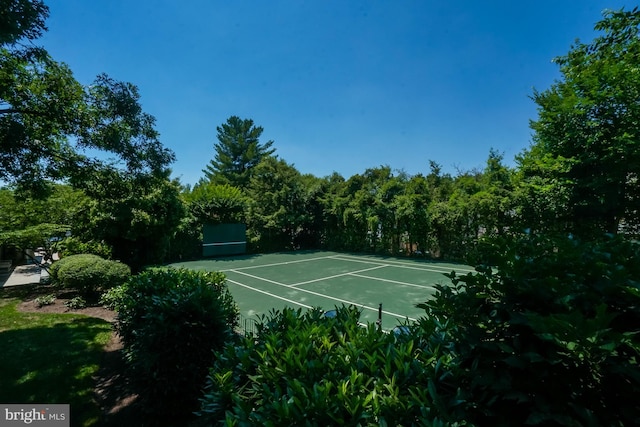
549,337
88,273
305,369
170,322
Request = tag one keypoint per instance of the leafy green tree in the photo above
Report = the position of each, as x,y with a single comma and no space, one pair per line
368,210
348,222
311,233
186,242
36,236
333,200
48,120
217,203
542,195
136,215
32,222
277,205
494,204
442,218
22,19
62,206
586,139
412,210
238,151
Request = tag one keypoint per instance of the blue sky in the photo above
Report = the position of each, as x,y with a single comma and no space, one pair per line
338,85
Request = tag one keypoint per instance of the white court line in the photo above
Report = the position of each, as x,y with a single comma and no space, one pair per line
325,296
392,281
407,264
402,265
277,263
268,293
282,298
338,275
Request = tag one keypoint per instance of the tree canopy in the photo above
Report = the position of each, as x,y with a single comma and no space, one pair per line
49,121
586,142
22,19
95,138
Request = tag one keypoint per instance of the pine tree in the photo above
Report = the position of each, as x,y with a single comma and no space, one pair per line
238,151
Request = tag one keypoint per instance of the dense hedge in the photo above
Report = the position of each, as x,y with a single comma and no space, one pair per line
305,369
170,322
88,273
548,336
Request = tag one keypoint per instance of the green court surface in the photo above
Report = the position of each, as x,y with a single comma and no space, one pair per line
260,283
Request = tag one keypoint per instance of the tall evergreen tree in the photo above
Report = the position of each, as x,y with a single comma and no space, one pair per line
238,151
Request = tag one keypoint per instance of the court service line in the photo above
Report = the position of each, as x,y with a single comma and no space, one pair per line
277,263
407,264
268,293
392,281
338,275
402,265
325,296
282,298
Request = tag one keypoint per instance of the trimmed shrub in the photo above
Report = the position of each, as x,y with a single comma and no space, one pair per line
303,368
88,273
170,321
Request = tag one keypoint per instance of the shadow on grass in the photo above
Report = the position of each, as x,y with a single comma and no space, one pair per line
54,363
25,291
114,393
121,407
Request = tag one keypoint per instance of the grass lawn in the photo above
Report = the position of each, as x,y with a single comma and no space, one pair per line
51,358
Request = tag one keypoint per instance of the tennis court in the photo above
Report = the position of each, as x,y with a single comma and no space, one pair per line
260,283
